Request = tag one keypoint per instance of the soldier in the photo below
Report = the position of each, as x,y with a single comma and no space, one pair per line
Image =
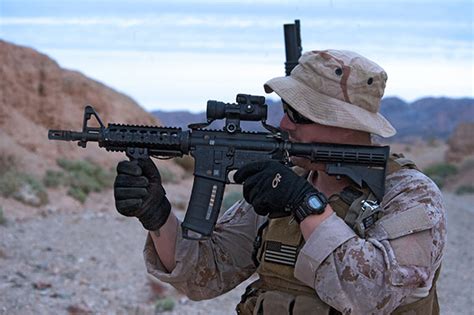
319,244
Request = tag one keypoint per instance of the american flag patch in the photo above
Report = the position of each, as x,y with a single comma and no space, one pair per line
279,253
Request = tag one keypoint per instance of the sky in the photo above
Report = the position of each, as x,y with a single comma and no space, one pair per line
176,55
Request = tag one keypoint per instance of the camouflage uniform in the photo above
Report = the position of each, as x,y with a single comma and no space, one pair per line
393,265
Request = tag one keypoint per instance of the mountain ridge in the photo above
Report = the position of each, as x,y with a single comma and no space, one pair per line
425,118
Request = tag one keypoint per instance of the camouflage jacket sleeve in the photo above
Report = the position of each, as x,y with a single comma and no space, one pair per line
393,265
206,269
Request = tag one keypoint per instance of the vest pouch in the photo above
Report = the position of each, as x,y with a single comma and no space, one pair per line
426,306
281,243
247,307
310,305
277,302
274,302
249,298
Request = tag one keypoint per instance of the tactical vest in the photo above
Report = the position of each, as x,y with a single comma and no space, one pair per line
279,240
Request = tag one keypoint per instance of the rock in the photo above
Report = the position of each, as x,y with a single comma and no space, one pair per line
156,288
49,210
60,295
41,267
41,285
71,275
461,143
21,275
3,255
78,310
27,195
183,300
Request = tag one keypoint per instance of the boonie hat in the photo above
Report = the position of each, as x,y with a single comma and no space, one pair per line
336,88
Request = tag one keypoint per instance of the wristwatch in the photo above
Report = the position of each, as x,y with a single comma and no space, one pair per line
313,203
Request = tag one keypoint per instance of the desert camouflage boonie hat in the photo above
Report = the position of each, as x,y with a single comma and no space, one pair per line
336,88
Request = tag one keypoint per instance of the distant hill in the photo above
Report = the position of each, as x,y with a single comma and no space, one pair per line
184,118
425,118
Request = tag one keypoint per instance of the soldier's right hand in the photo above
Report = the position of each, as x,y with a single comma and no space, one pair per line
138,193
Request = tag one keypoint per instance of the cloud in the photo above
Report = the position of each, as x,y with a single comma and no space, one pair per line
246,34
238,21
180,54
79,21
172,81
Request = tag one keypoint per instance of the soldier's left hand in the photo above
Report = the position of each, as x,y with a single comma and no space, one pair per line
271,187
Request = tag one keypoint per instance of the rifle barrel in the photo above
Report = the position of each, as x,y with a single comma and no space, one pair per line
67,135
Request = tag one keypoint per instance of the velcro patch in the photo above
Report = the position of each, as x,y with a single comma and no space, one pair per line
410,221
280,253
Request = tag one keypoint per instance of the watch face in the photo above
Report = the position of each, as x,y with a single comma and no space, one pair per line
315,203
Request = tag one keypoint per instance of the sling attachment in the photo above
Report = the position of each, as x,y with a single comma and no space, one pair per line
369,214
359,208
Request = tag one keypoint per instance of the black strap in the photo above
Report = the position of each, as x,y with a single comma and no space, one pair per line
258,242
349,194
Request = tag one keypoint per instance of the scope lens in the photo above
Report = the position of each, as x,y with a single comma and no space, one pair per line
215,110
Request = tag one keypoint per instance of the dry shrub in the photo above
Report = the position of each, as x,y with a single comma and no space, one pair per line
81,177
7,162
164,305
3,220
440,172
18,185
465,190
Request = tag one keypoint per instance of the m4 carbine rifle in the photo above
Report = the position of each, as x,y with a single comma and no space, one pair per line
218,152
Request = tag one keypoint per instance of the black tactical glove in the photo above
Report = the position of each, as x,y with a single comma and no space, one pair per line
138,193
272,188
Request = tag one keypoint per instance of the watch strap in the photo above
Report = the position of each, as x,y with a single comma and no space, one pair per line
303,209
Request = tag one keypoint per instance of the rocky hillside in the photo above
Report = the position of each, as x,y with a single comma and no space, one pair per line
461,143
428,117
36,94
